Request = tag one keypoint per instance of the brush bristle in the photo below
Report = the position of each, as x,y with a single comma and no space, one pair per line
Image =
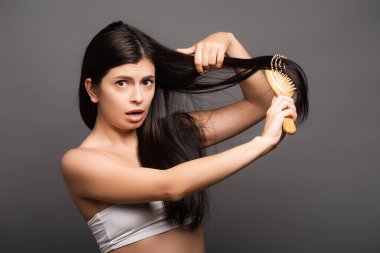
279,81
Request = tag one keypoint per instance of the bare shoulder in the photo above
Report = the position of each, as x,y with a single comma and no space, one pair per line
75,155
82,164
76,160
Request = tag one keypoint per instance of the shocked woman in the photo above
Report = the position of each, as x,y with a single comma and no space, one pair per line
140,177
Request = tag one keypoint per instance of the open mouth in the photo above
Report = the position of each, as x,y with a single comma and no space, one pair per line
135,116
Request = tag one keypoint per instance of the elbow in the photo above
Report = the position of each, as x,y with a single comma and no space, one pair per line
175,191
175,197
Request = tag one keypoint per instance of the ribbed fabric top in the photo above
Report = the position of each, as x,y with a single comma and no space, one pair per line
122,224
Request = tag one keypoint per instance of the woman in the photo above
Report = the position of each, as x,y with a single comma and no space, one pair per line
140,178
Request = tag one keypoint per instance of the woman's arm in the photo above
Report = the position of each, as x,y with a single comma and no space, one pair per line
255,88
197,174
222,123
92,175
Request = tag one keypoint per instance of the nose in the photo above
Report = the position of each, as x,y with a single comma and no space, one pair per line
137,95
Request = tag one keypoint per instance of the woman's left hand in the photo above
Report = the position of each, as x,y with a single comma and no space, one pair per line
209,52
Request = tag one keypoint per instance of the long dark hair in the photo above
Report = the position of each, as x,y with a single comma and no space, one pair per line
169,135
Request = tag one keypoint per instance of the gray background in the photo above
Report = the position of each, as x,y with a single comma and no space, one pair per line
317,192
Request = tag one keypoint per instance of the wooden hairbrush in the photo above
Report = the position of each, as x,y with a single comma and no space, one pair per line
281,84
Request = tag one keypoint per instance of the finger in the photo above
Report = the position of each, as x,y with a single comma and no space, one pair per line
293,107
189,50
286,98
280,102
282,98
295,116
205,57
286,112
212,58
220,58
289,113
198,58
282,105
291,100
289,106
288,102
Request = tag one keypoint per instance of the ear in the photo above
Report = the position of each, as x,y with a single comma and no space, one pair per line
91,90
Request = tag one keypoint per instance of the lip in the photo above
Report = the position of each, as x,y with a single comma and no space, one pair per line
135,110
135,118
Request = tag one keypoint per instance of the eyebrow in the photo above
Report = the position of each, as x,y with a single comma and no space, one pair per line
129,77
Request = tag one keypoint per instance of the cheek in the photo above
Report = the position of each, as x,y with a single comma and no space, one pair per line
112,105
112,101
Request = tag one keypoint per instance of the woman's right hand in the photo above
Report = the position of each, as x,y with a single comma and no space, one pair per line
281,107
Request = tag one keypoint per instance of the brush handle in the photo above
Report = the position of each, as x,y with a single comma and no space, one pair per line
288,126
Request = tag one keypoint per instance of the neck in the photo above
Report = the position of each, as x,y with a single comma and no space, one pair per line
108,136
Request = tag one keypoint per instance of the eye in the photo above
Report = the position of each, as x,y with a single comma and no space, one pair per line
145,81
121,82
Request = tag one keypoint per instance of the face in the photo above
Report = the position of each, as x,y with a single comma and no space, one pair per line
125,88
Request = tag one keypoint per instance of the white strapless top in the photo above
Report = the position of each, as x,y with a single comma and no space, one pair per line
122,224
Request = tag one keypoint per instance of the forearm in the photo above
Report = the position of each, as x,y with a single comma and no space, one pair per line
256,88
198,174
